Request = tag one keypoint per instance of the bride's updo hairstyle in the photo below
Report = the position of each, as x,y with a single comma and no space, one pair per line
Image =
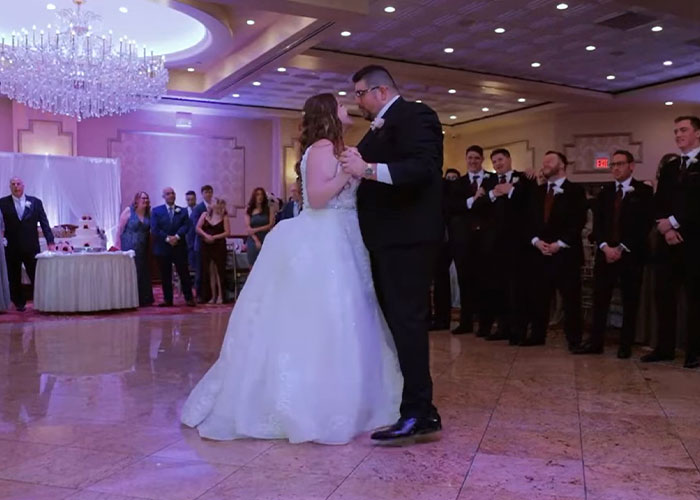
321,122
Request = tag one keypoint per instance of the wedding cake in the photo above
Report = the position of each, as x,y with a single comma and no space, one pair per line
87,235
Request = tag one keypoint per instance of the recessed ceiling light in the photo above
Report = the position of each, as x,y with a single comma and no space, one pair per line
418,101
563,6
668,63
484,109
236,95
389,9
250,22
345,33
590,48
342,92
281,69
449,50
669,103
522,99
610,77
656,29
452,91
191,70
500,30
50,6
257,84
453,117
123,10
535,65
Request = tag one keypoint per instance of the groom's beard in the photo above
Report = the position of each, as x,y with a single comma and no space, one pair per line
366,114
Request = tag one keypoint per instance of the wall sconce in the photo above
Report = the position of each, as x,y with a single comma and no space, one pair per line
183,120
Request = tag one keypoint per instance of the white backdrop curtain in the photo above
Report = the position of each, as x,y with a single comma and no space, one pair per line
69,187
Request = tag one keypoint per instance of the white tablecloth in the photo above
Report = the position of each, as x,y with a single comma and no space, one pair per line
85,282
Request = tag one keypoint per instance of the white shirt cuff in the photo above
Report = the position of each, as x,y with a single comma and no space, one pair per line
674,222
622,245
470,202
602,245
492,196
534,241
383,174
562,244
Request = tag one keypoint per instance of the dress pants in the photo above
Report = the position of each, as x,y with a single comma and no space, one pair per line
561,272
629,272
402,277
15,259
466,250
670,278
165,262
442,299
692,287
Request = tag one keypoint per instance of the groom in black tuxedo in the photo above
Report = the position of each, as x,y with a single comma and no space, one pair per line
399,206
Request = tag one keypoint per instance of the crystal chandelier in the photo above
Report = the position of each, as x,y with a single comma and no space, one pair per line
72,69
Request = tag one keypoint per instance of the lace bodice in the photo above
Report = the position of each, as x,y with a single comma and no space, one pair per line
345,200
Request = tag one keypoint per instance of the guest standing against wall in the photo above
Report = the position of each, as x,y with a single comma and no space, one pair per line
213,228
135,234
259,220
169,225
21,214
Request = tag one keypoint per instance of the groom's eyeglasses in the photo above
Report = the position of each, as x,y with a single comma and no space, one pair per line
363,92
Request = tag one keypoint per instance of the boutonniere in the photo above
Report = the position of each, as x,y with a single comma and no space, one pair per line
628,189
557,190
694,160
486,175
177,210
376,124
28,204
514,180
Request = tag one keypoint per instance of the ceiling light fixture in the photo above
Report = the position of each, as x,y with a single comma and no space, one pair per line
345,33
610,77
123,10
50,6
500,30
535,65
522,99
389,9
669,103
250,22
449,50
562,6
190,70
342,93
668,63
590,48
453,117
257,84
281,69
418,101
484,109
656,29
452,91
236,95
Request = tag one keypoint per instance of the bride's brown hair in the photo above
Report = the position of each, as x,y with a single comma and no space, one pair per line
321,122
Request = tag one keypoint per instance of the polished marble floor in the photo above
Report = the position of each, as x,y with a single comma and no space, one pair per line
89,411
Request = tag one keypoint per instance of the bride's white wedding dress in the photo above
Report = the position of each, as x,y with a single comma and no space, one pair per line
307,354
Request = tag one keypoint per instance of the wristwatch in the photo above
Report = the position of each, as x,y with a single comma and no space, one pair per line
369,171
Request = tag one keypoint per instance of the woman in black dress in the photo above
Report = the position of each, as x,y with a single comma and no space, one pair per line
213,227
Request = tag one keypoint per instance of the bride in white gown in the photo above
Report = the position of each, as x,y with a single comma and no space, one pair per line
307,354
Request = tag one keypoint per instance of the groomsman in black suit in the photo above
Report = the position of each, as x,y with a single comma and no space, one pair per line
441,310
622,219
469,209
21,214
505,243
557,216
677,212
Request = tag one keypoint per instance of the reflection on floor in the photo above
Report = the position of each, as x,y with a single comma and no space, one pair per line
89,411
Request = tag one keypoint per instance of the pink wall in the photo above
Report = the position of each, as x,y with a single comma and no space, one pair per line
6,125
185,171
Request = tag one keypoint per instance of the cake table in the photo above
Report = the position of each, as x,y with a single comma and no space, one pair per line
84,282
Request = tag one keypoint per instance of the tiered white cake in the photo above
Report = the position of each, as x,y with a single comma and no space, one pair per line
87,235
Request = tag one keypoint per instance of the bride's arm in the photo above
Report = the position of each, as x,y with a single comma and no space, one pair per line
322,182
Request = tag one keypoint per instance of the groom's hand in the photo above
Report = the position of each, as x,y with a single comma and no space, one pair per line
352,162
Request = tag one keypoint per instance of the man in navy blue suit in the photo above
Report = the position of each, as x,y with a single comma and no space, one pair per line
21,214
169,226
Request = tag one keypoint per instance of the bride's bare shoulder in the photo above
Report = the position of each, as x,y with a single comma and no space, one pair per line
322,143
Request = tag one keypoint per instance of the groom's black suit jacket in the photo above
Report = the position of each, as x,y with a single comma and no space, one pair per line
408,211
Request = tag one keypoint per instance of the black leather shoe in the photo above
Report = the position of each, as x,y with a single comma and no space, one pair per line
408,429
531,342
191,303
435,326
462,329
21,308
497,336
624,352
588,349
691,362
654,356
165,304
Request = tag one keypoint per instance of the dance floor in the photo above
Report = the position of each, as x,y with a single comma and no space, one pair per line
90,406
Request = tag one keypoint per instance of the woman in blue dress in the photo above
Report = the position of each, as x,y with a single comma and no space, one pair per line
134,234
259,220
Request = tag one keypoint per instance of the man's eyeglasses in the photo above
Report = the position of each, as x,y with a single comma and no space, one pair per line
361,93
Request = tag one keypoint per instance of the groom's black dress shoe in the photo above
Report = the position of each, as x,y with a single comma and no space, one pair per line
589,349
408,430
462,329
655,356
